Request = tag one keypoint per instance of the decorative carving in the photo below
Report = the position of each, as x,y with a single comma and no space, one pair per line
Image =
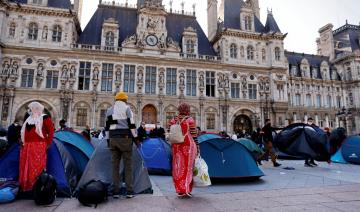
96,73
226,81
162,42
129,41
118,73
64,72
182,79
72,72
14,68
40,70
152,23
140,76
6,67
201,80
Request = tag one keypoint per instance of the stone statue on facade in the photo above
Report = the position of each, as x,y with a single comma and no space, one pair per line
64,72
244,84
14,68
152,23
201,80
161,78
182,79
162,40
40,70
96,73
6,68
140,76
72,72
267,85
118,75
220,81
226,81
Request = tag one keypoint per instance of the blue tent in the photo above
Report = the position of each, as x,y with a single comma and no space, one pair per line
80,149
228,159
60,164
207,136
349,151
156,154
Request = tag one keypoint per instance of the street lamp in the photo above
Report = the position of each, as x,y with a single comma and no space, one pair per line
343,114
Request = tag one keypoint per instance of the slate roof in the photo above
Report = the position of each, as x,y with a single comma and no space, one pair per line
315,61
63,4
271,25
230,10
127,19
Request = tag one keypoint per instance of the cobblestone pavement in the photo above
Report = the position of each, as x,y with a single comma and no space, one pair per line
334,187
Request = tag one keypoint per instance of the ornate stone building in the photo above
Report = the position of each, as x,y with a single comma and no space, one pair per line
233,79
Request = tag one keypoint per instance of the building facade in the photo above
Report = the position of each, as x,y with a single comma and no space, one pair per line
233,79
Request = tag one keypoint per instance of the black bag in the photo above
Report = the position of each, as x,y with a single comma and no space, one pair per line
45,189
93,193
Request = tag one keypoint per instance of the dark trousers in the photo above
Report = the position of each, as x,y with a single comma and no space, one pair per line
269,151
122,148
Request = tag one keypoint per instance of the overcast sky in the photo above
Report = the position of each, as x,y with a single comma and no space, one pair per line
300,18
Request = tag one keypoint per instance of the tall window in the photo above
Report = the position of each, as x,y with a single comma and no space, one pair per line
102,118
250,53
110,39
233,51
248,23
107,77
235,90
52,79
210,121
33,31
150,80
210,84
129,78
329,100
190,47
81,117
318,100
252,89
12,30
57,33
308,100
27,78
171,81
263,54
297,100
84,76
191,82
338,102
277,54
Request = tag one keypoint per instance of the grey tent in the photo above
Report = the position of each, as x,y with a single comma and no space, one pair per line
99,168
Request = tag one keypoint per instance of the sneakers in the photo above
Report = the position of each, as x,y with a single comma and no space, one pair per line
313,163
130,195
276,164
184,195
306,164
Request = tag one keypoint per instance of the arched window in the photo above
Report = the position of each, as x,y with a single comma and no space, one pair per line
263,54
233,51
57,33
190,47
12,30
250,53
248,24
33,31
110,39
277,54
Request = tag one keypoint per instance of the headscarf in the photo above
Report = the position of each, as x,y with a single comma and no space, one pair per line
35,118
184,109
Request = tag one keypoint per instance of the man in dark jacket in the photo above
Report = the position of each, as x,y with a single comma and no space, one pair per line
121,131
142,132
268,141
159,132
13,135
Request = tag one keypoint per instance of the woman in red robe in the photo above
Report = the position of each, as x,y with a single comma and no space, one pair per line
36,136
184,154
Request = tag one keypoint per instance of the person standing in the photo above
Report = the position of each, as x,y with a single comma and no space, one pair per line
184,154
309,161
63,127
13,135
121,128
37,134
159,132
268,141
141,131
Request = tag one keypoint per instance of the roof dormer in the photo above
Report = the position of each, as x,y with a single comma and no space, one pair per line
110,34
38,2
190,41
247,17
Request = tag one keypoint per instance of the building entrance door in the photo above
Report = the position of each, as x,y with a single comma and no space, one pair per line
242,122
149,114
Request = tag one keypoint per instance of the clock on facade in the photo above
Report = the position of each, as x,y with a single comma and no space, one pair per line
151,40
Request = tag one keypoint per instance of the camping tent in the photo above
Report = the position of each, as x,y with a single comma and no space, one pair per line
337,137
227,158
99,168
80,149
304,141
349,152
251,146
60,164
156,154
207,136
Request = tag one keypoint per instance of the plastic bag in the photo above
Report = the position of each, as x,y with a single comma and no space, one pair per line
201,176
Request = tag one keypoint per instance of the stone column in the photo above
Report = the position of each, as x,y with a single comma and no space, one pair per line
327,124
94,111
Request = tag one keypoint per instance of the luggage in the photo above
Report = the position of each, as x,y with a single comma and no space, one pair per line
201,176
8,191
176,135
45,189
93,193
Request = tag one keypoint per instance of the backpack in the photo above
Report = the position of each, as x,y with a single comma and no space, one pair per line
45,189
93,192
176,135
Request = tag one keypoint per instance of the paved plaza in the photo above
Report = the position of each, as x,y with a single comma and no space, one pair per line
334,187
